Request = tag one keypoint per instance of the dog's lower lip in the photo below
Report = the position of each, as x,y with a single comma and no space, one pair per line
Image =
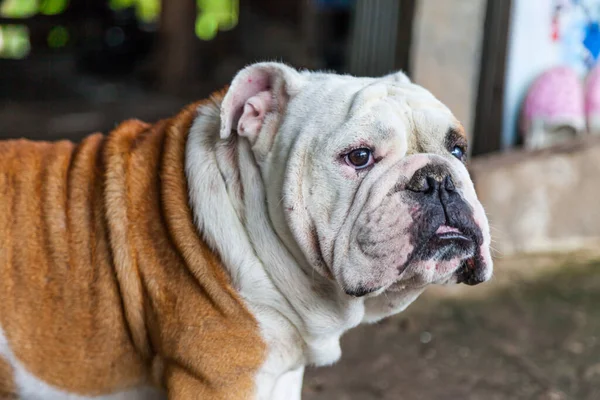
466,273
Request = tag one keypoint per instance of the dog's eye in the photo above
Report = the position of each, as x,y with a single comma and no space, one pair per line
360,158
458,152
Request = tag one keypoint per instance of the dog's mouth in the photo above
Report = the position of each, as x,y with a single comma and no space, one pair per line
445,232
449,243
460,243
446,253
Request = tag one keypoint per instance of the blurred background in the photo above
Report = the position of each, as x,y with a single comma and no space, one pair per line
521,75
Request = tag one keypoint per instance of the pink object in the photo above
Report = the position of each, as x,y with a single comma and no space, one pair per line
554,109
592,101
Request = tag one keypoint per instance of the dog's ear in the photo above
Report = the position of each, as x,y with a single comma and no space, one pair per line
397,76
256,91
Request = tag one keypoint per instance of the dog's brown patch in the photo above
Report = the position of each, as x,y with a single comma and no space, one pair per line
105,278
7,384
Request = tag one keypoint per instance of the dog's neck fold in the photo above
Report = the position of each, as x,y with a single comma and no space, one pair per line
291,304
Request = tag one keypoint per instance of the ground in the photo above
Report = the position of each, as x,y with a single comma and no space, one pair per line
532,333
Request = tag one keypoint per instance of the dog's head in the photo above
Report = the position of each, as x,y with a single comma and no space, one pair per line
365,177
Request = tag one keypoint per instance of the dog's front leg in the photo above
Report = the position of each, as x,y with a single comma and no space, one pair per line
182,384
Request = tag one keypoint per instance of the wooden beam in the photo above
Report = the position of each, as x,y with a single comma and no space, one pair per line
373,43
404,34
175,55
487,131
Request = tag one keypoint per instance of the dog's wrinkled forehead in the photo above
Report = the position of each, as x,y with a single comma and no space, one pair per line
364,107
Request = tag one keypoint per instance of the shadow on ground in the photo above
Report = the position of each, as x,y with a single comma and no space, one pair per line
531,339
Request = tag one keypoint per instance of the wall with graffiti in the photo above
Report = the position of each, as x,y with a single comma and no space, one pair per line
575,29
546,34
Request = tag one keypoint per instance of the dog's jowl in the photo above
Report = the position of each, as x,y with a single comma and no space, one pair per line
215,254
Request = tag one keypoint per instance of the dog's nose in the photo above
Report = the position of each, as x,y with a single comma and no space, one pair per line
434,180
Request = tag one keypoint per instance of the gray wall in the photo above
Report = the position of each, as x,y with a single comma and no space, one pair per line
446,52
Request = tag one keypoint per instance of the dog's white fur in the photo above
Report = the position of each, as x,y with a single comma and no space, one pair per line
249,191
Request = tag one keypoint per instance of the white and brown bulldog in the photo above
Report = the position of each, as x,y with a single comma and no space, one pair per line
215,254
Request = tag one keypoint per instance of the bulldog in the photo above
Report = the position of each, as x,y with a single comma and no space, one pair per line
215,254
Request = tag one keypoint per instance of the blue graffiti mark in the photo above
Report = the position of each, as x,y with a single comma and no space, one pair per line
591,40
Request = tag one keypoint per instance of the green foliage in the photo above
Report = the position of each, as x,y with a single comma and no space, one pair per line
19,8
120,4
53,7
29,8
58,37
14,41
215,15
146,10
